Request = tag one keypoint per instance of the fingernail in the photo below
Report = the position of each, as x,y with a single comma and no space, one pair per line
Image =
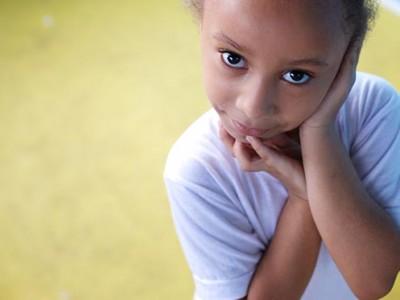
250,139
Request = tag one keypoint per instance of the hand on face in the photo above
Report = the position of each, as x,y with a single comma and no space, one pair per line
279,156
325,114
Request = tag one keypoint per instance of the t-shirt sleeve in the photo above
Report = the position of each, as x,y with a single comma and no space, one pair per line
217,238
375,150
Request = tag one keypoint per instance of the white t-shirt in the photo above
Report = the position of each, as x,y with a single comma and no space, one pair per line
226,217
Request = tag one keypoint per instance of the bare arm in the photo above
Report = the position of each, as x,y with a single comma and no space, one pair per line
362,239
360,236
358,233
286,267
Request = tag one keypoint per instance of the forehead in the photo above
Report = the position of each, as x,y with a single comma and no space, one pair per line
286,23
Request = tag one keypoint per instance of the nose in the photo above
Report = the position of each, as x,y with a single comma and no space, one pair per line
257,98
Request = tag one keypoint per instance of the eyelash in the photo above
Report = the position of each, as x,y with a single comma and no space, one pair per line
227,52
309,77
231,53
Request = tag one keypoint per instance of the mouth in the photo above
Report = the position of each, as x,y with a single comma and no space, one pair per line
248,131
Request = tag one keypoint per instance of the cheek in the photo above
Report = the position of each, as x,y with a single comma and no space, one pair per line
302,106
219,92
311,103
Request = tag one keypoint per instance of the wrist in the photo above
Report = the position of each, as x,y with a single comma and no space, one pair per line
325,131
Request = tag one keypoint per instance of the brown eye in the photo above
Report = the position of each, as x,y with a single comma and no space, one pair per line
233,60
296,77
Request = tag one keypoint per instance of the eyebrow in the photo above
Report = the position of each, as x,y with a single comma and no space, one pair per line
310,61
224,38
220,36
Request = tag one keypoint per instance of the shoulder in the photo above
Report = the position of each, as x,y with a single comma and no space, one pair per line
369,125
198,152
371,100
371,95
209,204
369,83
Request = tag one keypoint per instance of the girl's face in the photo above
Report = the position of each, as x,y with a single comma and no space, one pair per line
268,64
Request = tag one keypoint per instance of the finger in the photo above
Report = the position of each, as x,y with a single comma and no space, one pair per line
281,165
346,75
247,158
265,152
354,51
284,168
338,91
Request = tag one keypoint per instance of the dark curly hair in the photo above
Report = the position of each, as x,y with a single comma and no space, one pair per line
359,15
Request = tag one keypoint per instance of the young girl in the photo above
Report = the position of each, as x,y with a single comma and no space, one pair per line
290,186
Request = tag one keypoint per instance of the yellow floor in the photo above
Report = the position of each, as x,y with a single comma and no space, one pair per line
92,95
